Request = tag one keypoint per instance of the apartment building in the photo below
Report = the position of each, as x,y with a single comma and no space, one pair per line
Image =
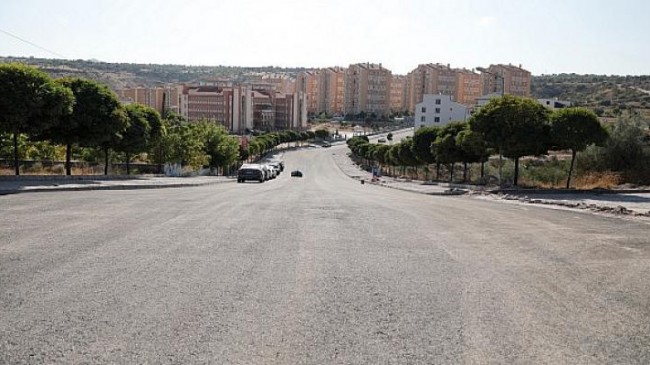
157,97
309,83
397,93
439,110
506,79
367,89
430,78
211,103
333,100
468,87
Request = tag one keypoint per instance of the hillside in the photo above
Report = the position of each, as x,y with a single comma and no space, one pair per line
607,95
121,75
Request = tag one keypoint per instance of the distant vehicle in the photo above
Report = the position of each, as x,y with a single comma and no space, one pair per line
251,172
381,140
327,144
271,171
296,173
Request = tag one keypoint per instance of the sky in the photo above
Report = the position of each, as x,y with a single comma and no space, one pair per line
544,36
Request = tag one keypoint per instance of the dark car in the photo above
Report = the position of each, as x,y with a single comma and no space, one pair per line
296,173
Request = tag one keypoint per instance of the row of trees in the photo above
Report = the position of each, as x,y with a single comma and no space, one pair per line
509,126
84,114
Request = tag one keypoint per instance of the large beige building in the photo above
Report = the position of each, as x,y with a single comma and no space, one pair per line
367,89
398,93
506,79
468,87
157,97
430,78
333,100
308,82
244,107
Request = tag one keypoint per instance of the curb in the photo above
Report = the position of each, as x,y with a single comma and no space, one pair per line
112,187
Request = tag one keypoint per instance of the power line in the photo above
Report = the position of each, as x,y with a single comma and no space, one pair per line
32,44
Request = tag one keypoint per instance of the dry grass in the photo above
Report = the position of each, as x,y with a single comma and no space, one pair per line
592,180
54,170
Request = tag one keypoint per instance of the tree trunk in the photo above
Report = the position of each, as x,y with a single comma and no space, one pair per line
482,169
573,159
128,163
105,160
465,172
16,167
438,171
516,179
451,173
68,157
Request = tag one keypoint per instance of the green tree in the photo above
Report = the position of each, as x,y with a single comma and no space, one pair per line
445,147
98,119
389,137
514,127
474,149
30,102
575,129
135,138
422,140
322,133
222,148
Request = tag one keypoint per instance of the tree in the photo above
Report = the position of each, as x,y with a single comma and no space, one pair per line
135,138
322,133
389,137
474,149
30,102
445,147
514,126
97,120
575,129
422,140
406,155
222,148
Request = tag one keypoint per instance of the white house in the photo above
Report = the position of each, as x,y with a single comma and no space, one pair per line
439,110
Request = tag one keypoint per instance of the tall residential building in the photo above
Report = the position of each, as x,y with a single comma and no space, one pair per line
511,80
398,93
333,100
468,86
308,82
367,89
430,78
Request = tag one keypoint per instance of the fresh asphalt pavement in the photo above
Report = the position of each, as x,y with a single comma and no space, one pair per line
316,270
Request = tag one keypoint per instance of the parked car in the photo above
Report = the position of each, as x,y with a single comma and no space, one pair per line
296,173
327,144
250,172
381,140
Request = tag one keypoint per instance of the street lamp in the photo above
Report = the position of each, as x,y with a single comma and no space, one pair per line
496,77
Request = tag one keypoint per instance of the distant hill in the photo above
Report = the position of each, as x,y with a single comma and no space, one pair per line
121,75
607,95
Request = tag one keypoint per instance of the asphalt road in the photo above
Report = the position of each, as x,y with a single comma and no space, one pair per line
318,270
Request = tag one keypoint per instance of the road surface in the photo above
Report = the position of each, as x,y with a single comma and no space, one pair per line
316,270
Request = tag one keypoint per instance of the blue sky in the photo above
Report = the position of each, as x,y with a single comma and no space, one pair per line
551,36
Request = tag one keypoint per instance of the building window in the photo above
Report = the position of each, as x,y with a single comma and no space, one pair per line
424,110
423,119
436,120
437,101
437,110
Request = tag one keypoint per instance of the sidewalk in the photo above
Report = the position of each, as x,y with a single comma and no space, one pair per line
30,183
632,203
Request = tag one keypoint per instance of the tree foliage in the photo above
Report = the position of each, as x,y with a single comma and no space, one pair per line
514,127
574,129
30,102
